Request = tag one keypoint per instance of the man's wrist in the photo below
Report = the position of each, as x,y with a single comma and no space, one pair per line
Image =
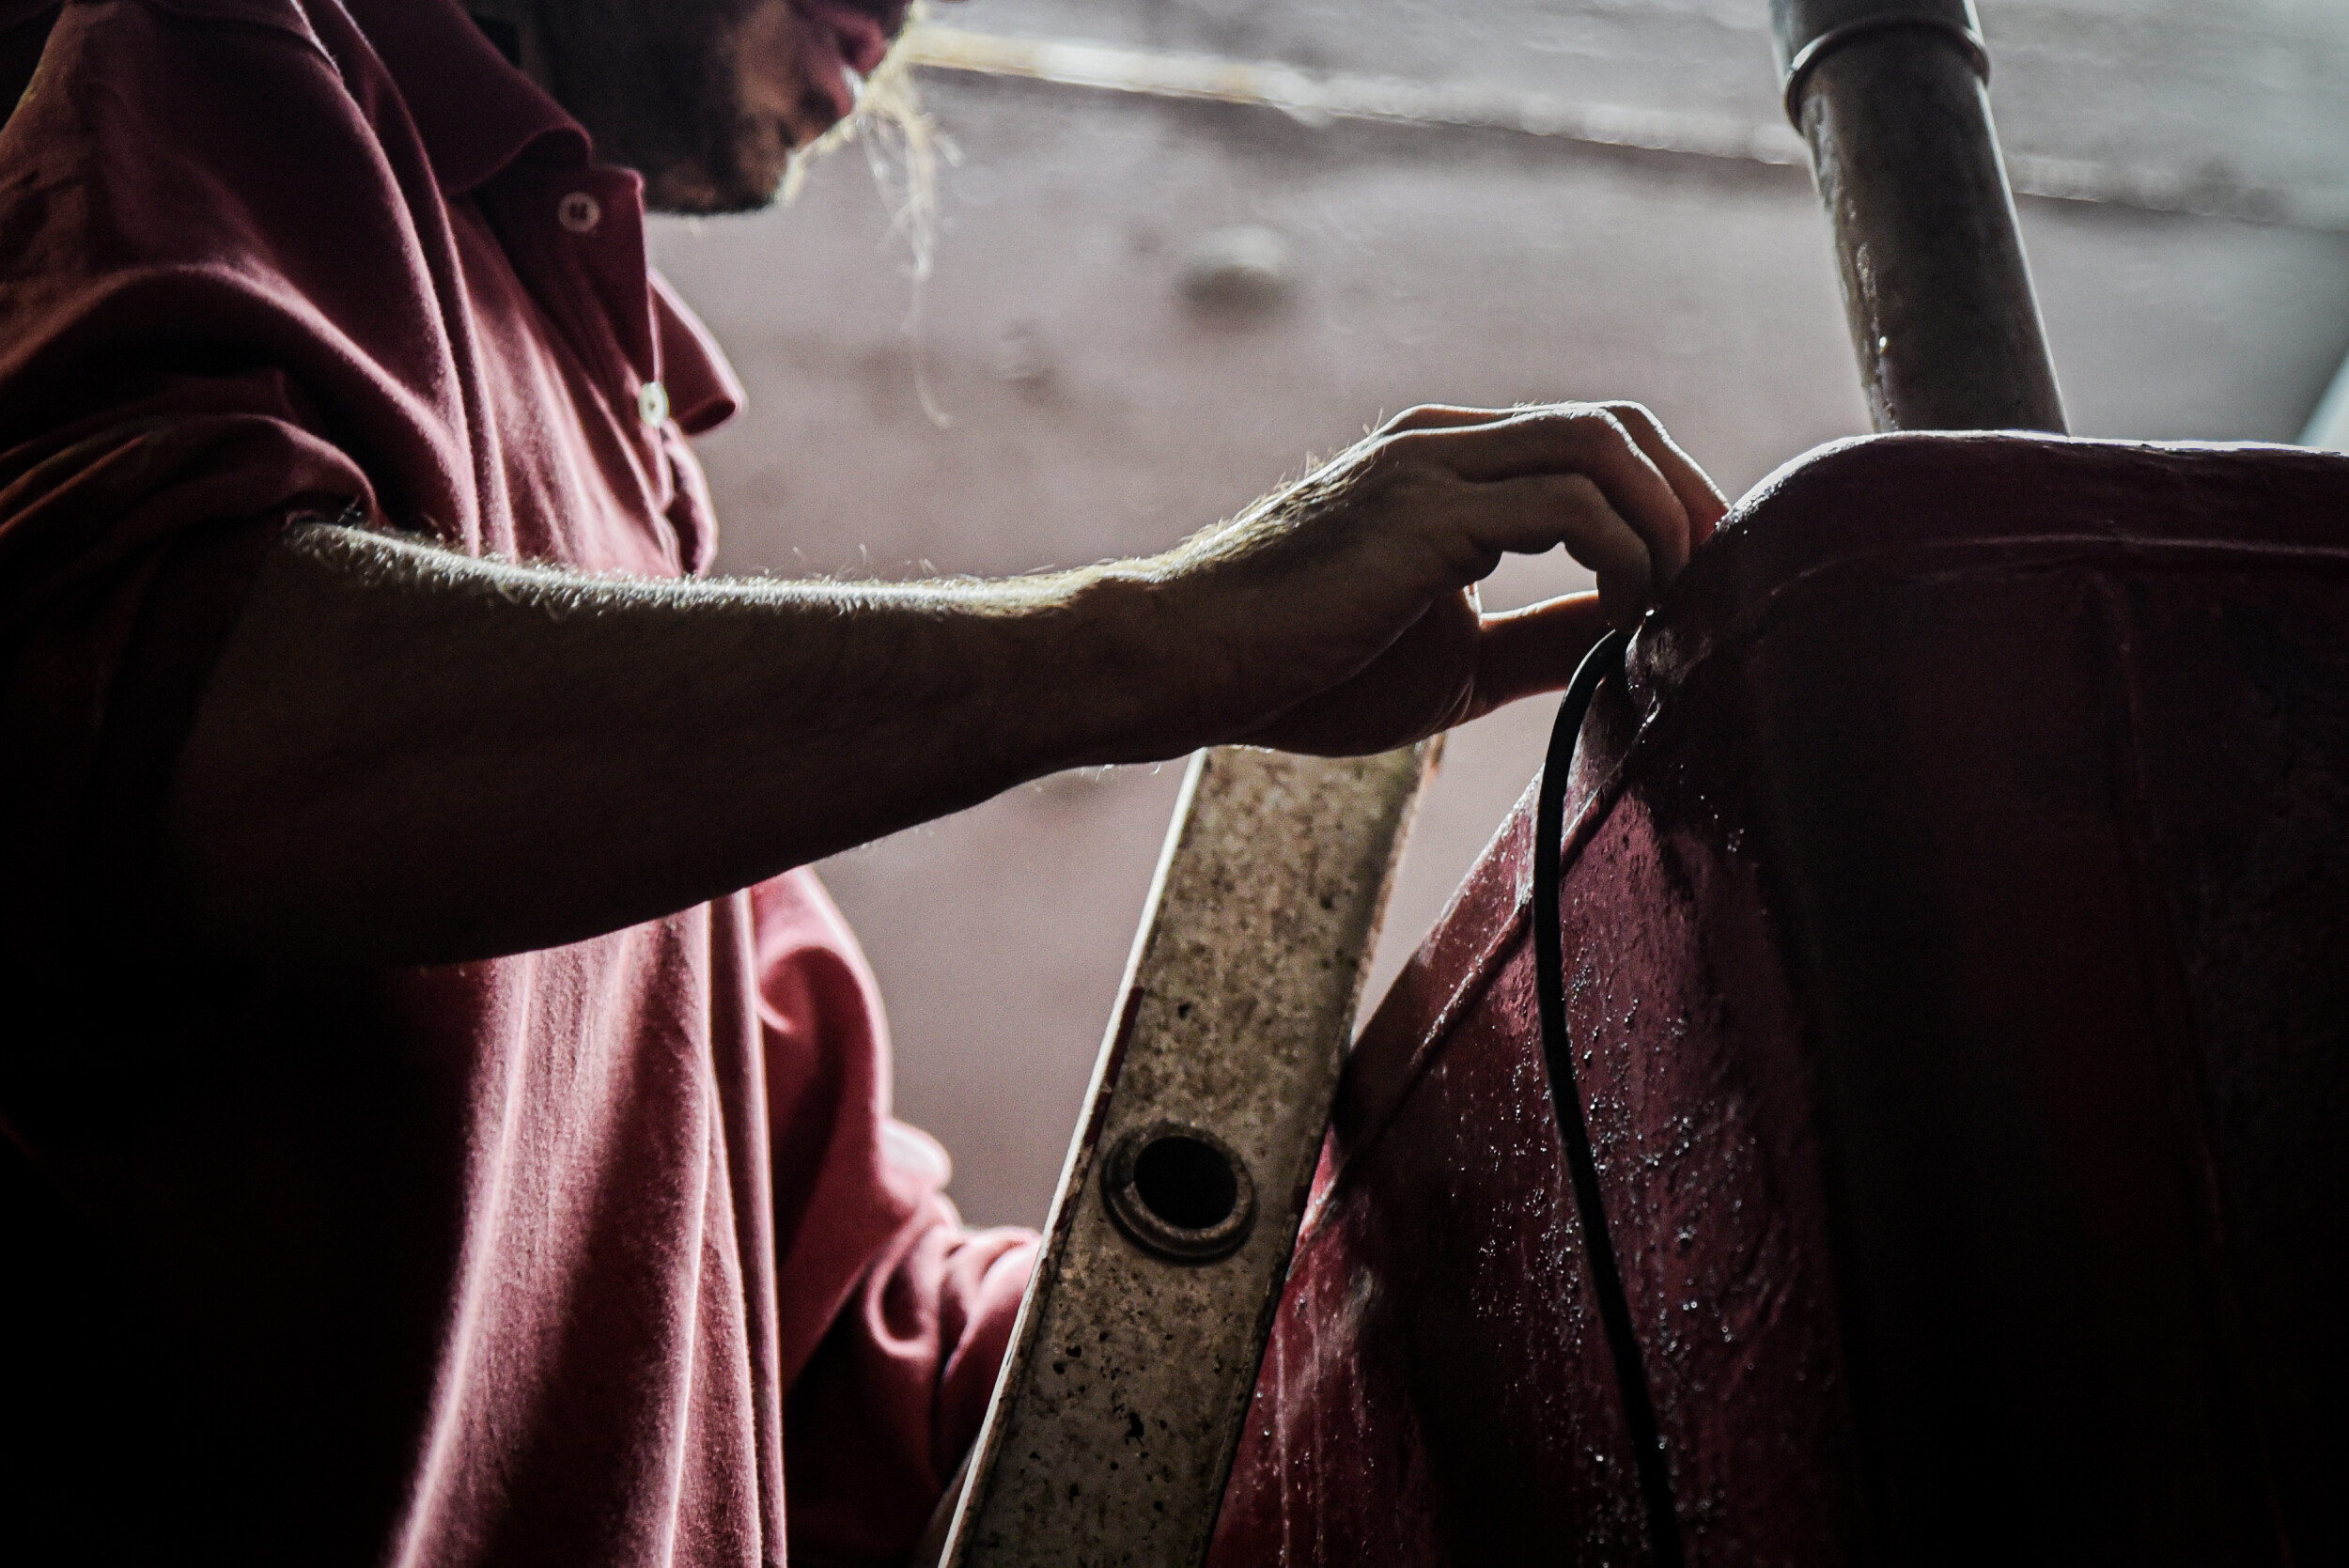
1097,675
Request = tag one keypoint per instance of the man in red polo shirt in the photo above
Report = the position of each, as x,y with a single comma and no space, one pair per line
440,1128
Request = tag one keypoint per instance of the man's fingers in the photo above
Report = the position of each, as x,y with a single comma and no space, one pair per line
1441,417
1703,500
1534,649
1539,512
1569,439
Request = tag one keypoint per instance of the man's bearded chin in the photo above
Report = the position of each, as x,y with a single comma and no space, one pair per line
659,83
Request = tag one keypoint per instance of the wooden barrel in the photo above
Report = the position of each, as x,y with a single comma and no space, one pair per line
1955,905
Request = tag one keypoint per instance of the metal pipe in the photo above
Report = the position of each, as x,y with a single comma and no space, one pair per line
1892,97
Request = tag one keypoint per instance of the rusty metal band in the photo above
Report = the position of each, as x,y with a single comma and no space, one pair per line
1807,58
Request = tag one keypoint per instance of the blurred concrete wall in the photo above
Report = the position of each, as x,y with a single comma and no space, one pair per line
1086,406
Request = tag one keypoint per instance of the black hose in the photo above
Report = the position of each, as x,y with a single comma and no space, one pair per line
1565,1095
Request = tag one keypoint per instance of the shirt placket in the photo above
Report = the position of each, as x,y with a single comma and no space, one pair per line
582,232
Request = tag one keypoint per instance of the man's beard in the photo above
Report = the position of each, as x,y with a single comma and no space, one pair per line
655,82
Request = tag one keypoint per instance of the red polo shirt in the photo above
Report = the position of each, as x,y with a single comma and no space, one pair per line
511,1261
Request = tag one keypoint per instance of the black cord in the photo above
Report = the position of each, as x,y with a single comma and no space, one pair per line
1565,1096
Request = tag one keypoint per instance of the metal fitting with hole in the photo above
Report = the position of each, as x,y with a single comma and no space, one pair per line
1179,1191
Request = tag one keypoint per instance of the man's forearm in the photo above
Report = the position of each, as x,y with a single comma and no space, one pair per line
406,755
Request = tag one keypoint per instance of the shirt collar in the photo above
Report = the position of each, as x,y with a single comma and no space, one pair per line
477,114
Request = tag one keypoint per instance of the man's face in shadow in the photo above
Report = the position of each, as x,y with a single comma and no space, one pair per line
709,97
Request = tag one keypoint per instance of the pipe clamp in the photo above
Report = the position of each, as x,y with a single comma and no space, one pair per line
1805,32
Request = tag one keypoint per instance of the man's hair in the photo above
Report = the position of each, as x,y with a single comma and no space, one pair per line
902,144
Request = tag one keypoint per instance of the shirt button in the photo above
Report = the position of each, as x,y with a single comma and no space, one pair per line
652,404
579,212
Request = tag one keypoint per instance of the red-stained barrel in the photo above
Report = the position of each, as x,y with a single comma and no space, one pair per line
1955,906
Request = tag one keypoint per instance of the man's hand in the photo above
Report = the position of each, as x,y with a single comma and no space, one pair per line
408,755
1340,614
